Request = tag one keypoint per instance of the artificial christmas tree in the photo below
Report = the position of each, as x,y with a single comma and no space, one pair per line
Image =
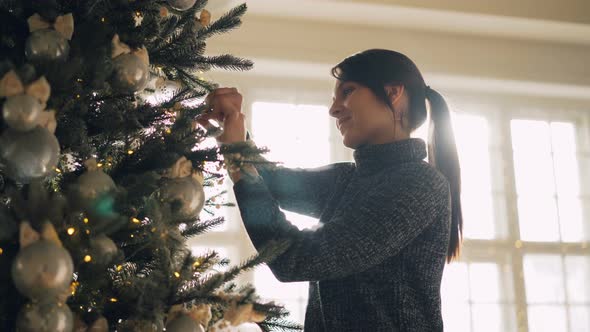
103,168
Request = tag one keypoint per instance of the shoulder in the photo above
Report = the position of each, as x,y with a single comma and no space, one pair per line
418,177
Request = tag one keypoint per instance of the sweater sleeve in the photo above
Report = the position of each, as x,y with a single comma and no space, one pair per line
301,190
386,221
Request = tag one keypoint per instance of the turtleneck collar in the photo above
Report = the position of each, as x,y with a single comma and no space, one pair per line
370,158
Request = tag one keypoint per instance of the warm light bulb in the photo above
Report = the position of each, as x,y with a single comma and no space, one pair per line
1,251
177,275
87,258
119,268
135,220
71,231
112,299
86,220
129,152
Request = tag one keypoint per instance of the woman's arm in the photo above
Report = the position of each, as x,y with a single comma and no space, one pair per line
390,218
301,190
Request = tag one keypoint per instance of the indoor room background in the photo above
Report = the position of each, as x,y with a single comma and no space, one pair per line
516,75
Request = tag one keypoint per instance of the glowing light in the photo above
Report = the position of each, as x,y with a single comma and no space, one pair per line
196,264
71,231
1,251
73,287
99,165
87,258
86,220
135,220
87,231
58,170
119,268
102,19
177,275
168,131
131,235
130,152
112,299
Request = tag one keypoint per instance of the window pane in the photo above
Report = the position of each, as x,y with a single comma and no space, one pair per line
472,138
580,318
537,218
488,318
269,287
578,279
478,216
456,317
455,284
533,165
565,159
293,295
546,318
304,142
296,135
484,279
571,222
543,276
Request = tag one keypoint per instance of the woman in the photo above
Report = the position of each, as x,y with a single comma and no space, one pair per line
388,222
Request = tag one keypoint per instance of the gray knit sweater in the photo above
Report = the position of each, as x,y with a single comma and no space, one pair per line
376,261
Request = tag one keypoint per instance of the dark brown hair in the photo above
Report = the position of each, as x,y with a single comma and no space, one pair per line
374,69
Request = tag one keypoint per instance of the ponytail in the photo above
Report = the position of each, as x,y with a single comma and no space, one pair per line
442,154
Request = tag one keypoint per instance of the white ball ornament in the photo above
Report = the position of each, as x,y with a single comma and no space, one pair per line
21,112
46,44
29,155
182,4
45,317
184,323
42,270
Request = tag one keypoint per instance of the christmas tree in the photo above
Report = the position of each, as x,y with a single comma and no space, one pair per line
103,168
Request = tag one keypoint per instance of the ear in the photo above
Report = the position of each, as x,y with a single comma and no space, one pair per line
394,93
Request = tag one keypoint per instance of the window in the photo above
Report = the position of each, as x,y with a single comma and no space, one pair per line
297,136
525,260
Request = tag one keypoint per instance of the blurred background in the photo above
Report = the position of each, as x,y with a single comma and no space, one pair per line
516,75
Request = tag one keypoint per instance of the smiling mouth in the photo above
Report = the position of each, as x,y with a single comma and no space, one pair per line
341,122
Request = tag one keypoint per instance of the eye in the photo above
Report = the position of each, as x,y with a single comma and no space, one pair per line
347,91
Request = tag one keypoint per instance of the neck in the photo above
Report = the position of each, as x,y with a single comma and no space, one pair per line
371,158
388,136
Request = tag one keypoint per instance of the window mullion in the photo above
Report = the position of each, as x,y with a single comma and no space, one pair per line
513,229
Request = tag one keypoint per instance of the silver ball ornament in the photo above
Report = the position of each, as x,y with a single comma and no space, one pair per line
29,155
103,249
184,323
45,317
131,74
21,112
47,44
137,325
182,4
185,195
92,184
42,270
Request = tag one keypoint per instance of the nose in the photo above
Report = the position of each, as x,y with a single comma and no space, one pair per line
335,110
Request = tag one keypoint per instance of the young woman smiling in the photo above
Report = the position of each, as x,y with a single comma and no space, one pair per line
389,221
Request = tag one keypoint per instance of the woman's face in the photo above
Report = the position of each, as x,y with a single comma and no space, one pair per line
361,117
